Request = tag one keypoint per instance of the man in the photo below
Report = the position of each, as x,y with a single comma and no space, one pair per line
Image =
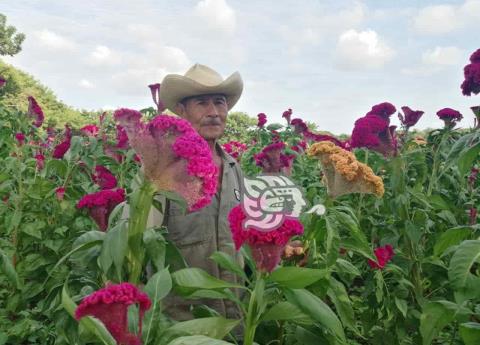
203,98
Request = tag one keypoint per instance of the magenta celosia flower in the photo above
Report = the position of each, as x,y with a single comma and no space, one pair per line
449,116
272,159
473,216
262,120
384,110
475,57
89,130
104,178
471,84
174,156
155,90
374,132
62,148
101,204
40,161
287,115
384,255
322,137
122,138
473,177
299,125
410,117
20,138
35,111
300,147
110,305
60,193
3,81
235,149
266,246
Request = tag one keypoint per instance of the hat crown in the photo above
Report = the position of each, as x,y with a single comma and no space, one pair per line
204,75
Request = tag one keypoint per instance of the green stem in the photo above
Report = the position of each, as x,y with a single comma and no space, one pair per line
139,210
250,322
433,177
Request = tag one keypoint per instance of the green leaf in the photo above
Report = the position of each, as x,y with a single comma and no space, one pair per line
214,327
114,247
402,306
93,325
34,229
470,333
339,296
318,310
159,285
198,340
344,266
8,269
467,253
156,247
197,278
451,237
285,311
467,158
435,316
296,277
227,262
274,126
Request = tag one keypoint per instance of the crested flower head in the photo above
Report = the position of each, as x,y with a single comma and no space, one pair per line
35,111
384,110
174,156
384,255
235,149
410,117
262,120
122,138
449,116
299,126
110,305
155,90
60,193
373,132
40,161
101,204
287,115
343,173
20,138
272,159
321,137
471,84
104,178
89,130
267,246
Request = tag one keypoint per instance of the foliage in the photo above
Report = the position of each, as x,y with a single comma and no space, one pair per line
10,40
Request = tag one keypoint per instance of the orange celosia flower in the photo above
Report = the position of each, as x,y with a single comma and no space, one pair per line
343,173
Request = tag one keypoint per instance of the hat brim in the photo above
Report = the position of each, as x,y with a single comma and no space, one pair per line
175,87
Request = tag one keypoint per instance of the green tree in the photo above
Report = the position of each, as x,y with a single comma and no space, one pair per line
10,40
239,127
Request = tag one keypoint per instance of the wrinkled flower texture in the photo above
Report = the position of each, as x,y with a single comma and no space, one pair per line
110,305
449,116
384,255
272,159
104,178
410,117
174,156
101,204
35,111
89,130
235,148
471,84
262,120
300,127
20,138
60,150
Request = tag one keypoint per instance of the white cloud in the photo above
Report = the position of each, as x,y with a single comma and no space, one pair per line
441,19
217,14
52,40
86,84
102,55
443,56
362,49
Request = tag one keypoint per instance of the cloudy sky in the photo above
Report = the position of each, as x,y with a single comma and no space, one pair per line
330,61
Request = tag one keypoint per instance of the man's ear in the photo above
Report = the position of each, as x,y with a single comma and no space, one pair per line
180,109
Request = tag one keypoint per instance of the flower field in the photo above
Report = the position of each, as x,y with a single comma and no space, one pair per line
386,250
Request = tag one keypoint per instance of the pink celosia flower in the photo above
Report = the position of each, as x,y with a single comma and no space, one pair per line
449,116
20,138
40,161
60,193
110,305
104,178
62,148
101,204
174,156
35,111
410,117
3,81
155,90
299,125
287,115
266,246
384,110
322,137
262,120
122,138
384,255
89,130
272,159
235,149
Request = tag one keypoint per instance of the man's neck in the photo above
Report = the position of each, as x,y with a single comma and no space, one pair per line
212,143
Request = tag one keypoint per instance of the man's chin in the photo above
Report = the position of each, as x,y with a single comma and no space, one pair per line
211,135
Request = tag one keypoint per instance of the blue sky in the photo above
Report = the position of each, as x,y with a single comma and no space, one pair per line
329,61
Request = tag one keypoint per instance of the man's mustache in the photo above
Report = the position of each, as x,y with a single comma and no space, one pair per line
214,121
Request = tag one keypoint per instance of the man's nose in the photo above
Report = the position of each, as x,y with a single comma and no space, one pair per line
212,109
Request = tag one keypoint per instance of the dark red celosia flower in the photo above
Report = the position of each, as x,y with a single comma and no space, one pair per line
104,178
127,116
89,130
35,111
322,137
60,193
287,115
473,216
40,161
155,90
473,176
300,147
384,110
20,138
262,120
122,138
384,255
3,81
471,84
62,148
449,116
272,159
110,305
410,117
101,118
266,246
475,57
101,204
373,132
299,126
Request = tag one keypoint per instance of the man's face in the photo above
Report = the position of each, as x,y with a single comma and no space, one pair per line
206,113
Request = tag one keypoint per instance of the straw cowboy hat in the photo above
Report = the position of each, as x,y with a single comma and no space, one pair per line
200,80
